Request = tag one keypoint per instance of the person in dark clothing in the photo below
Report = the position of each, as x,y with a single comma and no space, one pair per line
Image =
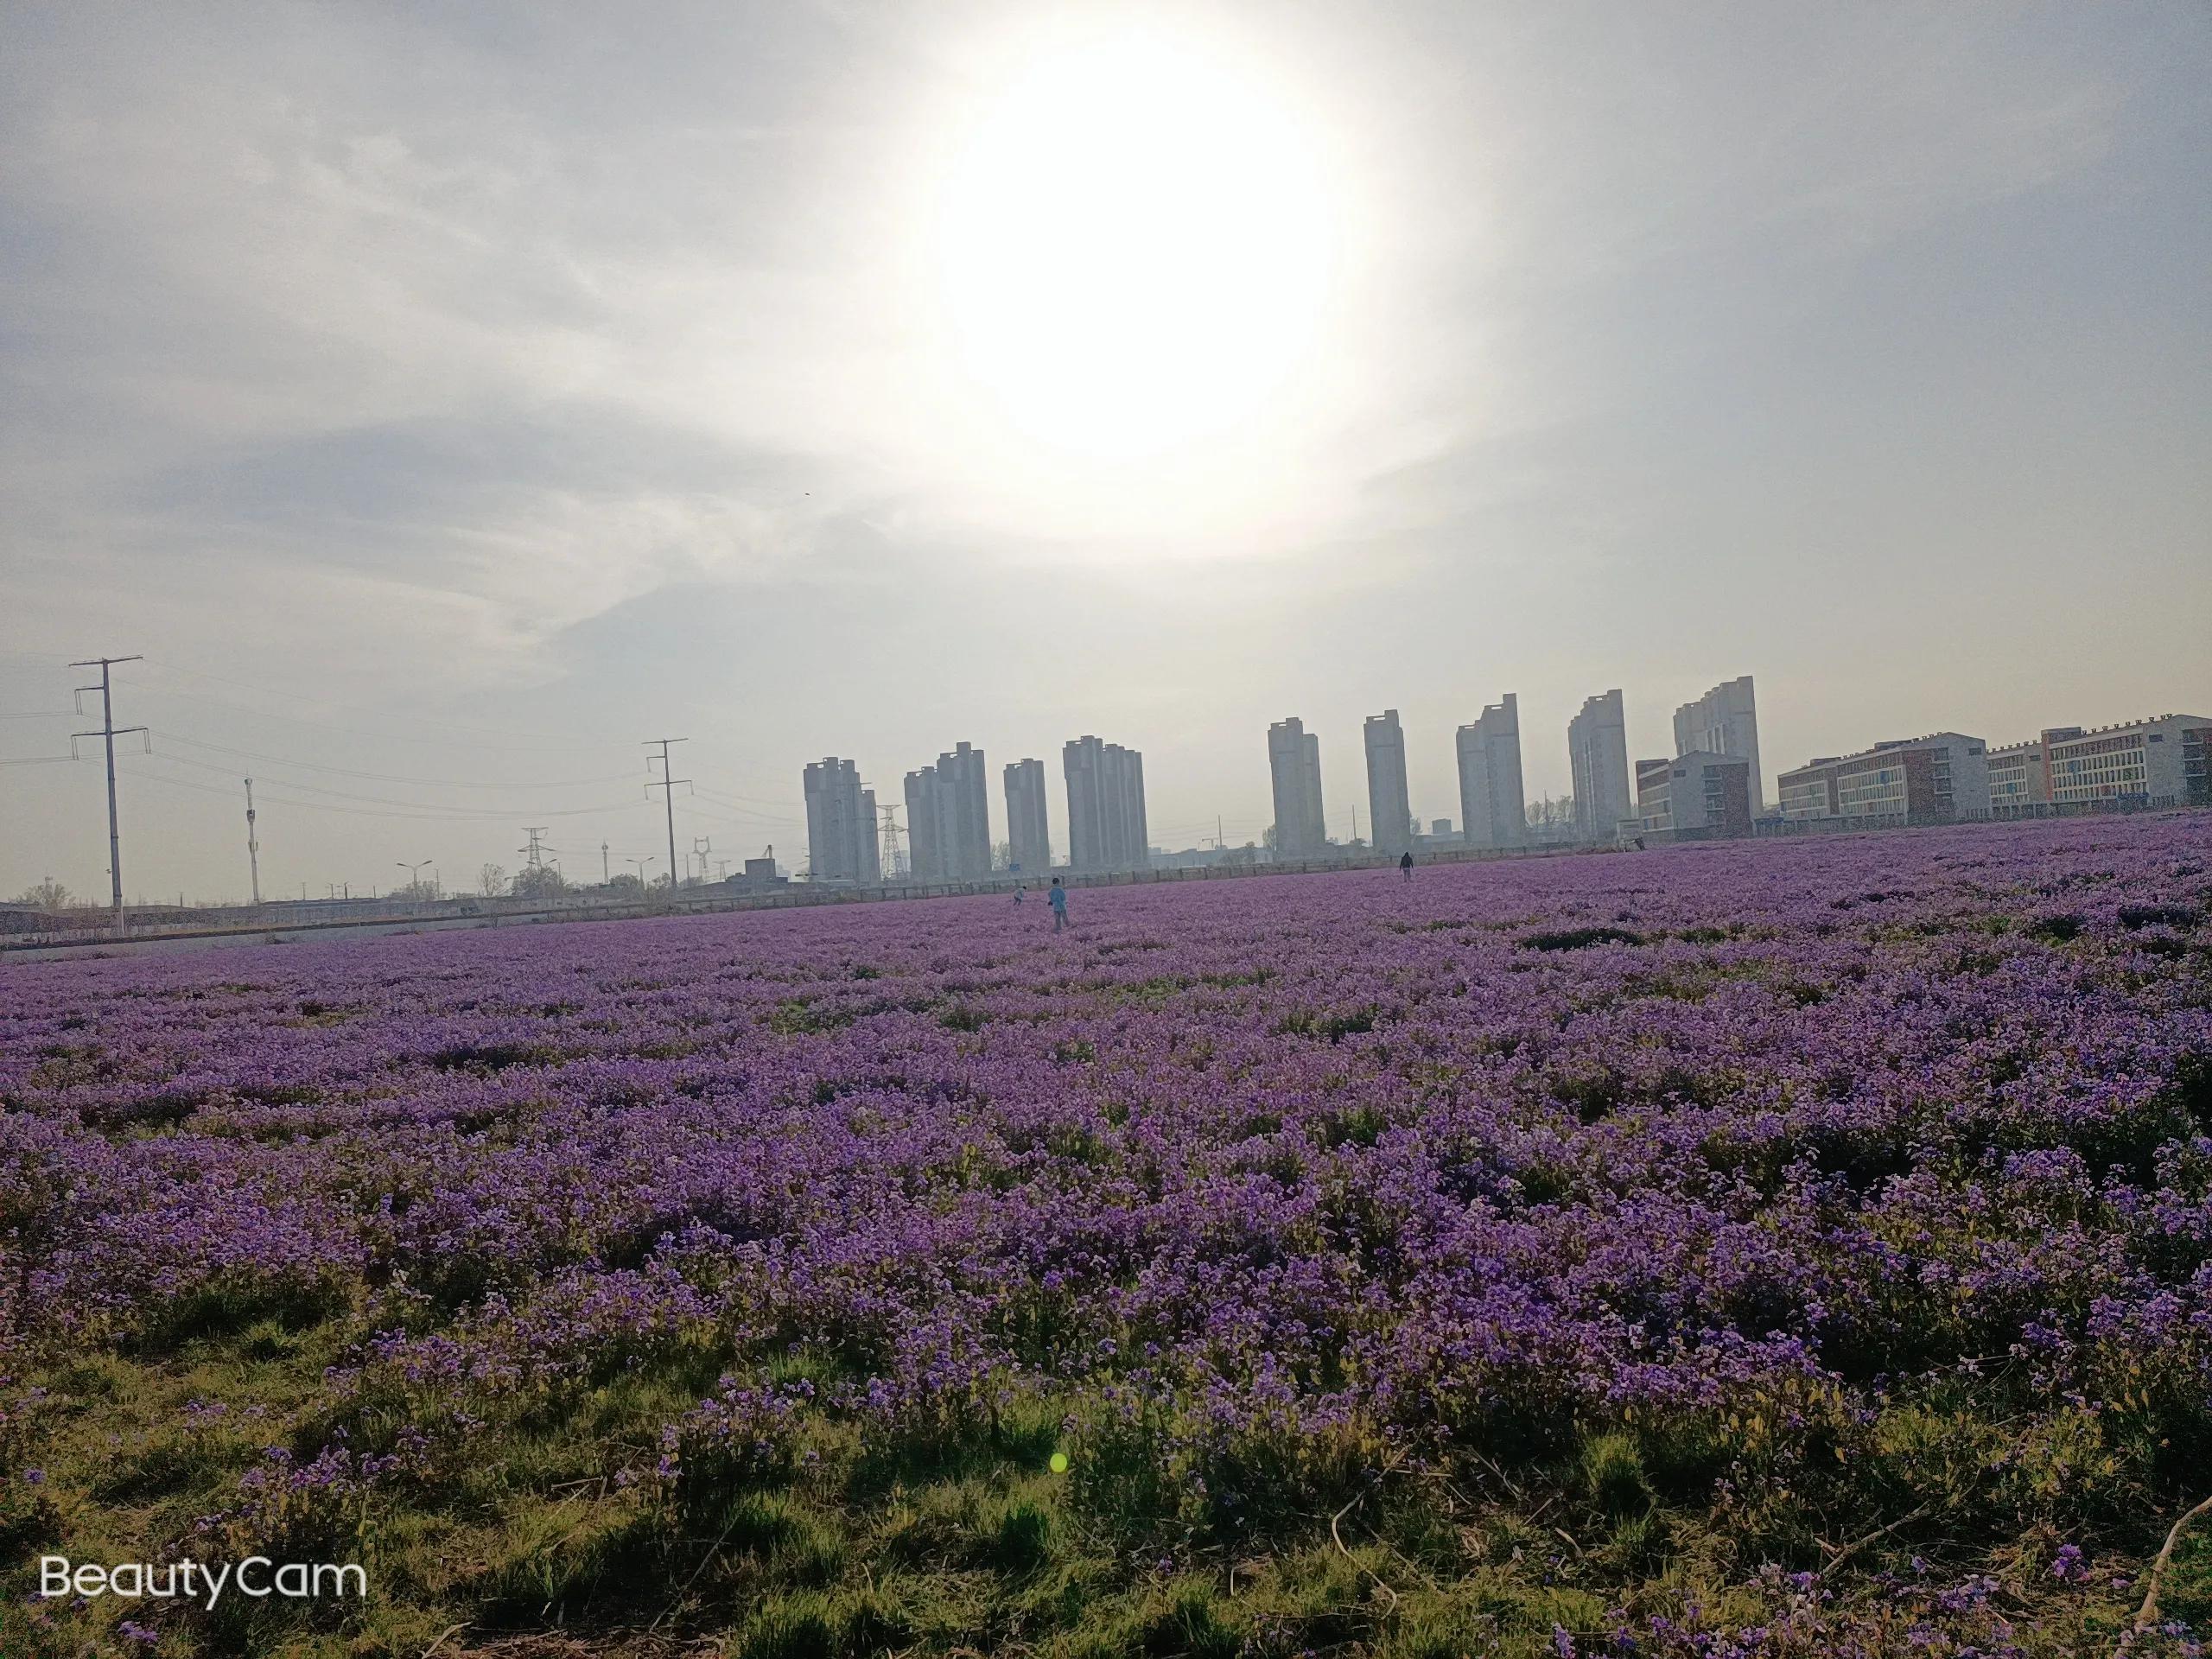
1059,898
1406,865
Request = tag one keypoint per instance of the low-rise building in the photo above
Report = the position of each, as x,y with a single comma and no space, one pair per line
2161,761
2157,762
2019,775
1940,779
1695,797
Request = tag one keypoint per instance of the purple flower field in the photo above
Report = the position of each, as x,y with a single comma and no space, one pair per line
1772,1248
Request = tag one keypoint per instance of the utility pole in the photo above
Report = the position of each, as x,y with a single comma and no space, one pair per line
252,846
604,878
667,783
108,734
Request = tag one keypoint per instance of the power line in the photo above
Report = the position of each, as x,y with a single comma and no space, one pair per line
745,800
456,816
107,735
566,739
388,777
428,809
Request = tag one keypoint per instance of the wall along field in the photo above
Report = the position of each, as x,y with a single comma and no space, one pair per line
1767,1250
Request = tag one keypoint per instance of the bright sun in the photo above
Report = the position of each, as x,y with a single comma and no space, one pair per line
1135,245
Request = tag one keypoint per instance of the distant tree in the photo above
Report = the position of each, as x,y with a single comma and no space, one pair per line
1551,816
416,890
46,894
626,886
492,881
1268,838
542,882
1003,856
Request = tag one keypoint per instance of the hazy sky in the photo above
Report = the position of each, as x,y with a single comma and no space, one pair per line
443,399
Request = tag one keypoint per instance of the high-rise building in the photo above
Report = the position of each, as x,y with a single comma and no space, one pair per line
1294,766
966,782
1106,818
1940,779
924,825
1597,750
1725,720
840,823
1387,802
1492,810
949,817
1028,830
1693,796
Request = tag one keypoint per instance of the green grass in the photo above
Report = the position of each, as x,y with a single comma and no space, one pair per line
962,1536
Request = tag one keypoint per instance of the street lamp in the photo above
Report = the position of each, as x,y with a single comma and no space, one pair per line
415,879
639,864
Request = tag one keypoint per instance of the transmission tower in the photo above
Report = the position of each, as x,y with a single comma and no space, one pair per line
894,860
108,734
535,851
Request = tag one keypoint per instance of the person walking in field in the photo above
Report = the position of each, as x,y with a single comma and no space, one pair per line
1017,894
1406,865
1058,898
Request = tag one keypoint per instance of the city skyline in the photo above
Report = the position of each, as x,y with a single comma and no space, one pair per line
956,783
